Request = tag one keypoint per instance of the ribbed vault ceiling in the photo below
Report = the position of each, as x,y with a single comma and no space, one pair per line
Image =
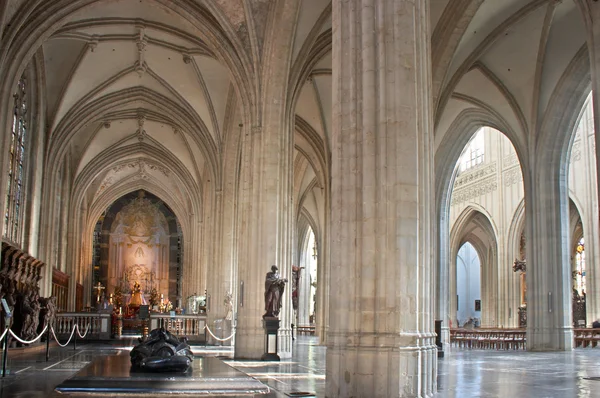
135,94
509,60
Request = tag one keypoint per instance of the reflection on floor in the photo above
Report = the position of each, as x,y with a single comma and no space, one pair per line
513,374
30,376
461,374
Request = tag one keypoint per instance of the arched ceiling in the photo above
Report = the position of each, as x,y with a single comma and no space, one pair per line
312,107
509,60
128,74
125,73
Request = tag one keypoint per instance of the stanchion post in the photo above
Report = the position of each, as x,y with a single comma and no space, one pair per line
48,343
75,338
4,352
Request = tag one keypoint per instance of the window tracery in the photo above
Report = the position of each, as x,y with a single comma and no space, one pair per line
474,153
13,207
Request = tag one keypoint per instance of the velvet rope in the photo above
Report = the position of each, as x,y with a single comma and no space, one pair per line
216,338
68,341
25,341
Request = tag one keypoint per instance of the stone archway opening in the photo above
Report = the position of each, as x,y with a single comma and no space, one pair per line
137,240
583,216
304,287
468,286
485,192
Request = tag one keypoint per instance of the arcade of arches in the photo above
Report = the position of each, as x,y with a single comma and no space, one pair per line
375,154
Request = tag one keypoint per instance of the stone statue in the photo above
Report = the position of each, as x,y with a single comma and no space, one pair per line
137,298
47,312
228,306
26,315
162,352
274,285
192,304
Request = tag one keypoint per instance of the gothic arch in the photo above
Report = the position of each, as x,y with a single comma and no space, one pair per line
76,119
549,268
485,242
28,32
577,227
467,123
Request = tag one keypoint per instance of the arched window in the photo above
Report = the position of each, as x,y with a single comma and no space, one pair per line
13,208
473,153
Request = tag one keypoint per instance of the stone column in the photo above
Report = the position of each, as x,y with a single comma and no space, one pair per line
381,341
266,208
218,275
304,298
591,15
548,267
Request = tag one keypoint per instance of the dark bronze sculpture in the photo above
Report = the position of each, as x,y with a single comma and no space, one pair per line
274,286
47,312
162,352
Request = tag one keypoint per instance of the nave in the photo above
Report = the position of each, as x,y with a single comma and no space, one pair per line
462,373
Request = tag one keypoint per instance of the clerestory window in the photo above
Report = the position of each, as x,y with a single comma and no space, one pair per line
13,207
474,152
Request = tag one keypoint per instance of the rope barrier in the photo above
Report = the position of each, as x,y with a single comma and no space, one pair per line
87,329
215,337
4,334
25,341
68,341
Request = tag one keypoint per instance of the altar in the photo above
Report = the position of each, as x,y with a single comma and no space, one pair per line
139,252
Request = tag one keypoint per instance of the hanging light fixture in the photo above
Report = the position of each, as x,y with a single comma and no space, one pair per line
314,255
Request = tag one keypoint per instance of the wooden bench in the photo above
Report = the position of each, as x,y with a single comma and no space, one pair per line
586,337
306,330
486,339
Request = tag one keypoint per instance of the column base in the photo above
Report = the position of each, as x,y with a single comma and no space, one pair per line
249,343
401,369
549,339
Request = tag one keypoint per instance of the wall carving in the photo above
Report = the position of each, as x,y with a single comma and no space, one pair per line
575,152
510,160
475,174
143,169
512,176
480,188
475,182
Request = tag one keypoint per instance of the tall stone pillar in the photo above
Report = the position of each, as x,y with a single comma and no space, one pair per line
266,208
548,267
381,341
591,15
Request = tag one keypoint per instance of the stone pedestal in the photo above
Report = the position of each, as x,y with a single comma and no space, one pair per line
112,376
271,326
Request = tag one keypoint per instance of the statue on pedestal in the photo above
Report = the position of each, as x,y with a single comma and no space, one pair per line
137,298
274,286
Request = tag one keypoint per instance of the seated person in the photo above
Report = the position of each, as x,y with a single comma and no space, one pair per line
596,324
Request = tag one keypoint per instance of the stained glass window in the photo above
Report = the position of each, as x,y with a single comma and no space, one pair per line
97,251
579,273
13,207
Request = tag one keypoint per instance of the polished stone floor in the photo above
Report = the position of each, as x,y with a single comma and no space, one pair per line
461,374
513,374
